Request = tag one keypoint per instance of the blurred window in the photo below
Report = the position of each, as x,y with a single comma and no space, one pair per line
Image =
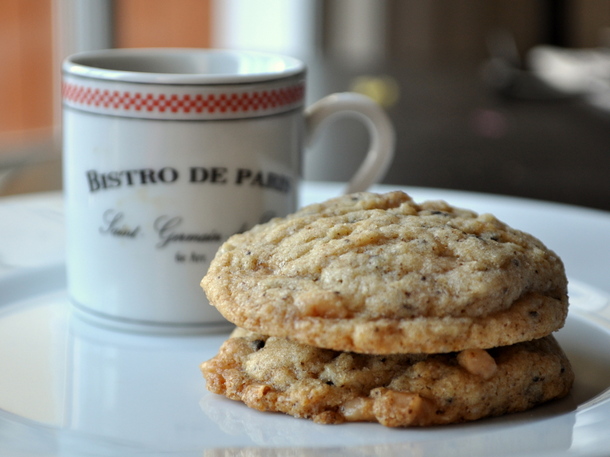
36,35
162,23
26,74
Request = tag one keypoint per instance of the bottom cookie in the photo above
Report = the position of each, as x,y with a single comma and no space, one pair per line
330,387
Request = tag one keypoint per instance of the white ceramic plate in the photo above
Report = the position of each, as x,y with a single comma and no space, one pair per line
80,389
71,389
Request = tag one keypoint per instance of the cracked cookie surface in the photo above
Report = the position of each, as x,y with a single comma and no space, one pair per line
277,374
381,274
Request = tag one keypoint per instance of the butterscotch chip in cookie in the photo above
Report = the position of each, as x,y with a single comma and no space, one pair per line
381,274
277,374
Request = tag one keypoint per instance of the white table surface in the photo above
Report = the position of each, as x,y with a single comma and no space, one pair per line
31,268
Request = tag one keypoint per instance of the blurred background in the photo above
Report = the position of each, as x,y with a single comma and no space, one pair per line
509,96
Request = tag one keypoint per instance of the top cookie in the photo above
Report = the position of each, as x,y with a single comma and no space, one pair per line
382,274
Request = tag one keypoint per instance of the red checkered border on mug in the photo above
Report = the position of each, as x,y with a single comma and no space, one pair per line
197,103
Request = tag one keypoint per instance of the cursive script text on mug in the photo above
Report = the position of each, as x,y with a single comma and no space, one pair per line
167,229
113,224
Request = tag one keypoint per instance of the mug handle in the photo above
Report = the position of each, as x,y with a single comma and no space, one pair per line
381,150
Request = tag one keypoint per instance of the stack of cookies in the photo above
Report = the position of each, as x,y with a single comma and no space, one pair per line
371,307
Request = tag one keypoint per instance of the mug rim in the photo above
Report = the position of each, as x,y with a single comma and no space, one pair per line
132,64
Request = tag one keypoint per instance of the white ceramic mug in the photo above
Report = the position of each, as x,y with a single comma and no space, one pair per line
168,152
